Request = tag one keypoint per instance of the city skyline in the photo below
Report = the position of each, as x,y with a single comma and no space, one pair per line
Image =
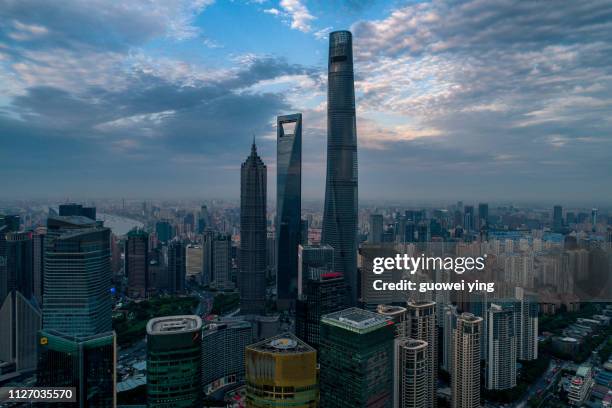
511,111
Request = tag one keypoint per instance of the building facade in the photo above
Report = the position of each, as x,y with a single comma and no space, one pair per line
324,294
421,325
281,372
411,374
229,340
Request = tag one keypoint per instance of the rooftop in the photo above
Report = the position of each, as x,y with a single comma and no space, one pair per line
174,324
286,343
356,319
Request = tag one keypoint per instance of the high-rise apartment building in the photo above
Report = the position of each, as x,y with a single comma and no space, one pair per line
501,339
398,314
253,234
288,205
174,361
136,256
449,324
223,345
421,325
340,210
356,359
527,324
411,374
281,372
465,376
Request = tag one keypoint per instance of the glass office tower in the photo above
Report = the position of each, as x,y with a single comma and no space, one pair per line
340,212
88,364
288,205
77,299
356,358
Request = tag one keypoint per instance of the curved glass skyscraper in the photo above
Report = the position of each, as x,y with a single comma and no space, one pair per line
340,213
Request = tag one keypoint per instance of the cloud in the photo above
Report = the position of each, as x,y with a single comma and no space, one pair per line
272,11
299,15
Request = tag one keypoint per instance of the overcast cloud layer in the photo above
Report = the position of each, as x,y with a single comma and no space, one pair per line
493,100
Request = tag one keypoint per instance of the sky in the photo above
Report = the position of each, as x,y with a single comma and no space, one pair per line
492,100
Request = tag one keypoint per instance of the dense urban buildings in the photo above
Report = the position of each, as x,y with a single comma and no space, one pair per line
174,361
281,372
288,206
340,209
253,234
356,359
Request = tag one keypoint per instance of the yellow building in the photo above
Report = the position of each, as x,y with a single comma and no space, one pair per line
281,372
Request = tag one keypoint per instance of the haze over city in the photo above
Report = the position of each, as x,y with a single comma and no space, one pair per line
161,99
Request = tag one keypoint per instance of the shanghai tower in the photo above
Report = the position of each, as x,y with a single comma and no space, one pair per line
253,234
340,213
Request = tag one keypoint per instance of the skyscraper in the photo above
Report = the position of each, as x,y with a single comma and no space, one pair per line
20,321
70,209
465,376
253,234
356,359
376,228
421,325
323,294
288,205
398,314
411,374
137,263
177,266
281,372
557,218
77,299
469,223
527,324
174,361
483,215
313,260
217,260
340,211
501,338
86,363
